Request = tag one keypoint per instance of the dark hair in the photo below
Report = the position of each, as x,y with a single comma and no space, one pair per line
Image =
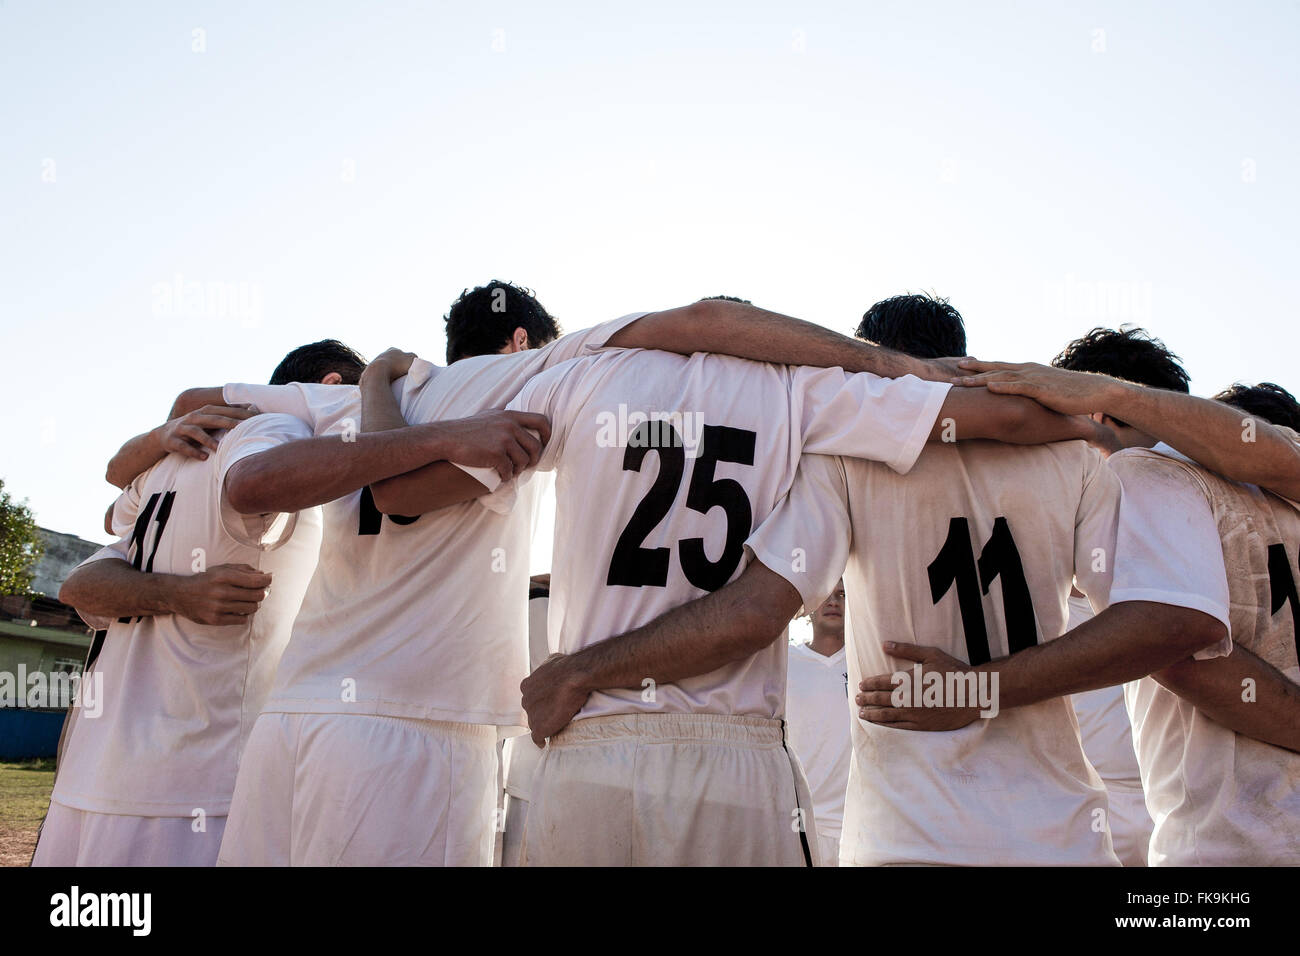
482,320
921,325
725,298
1129,353
311,363
1265,400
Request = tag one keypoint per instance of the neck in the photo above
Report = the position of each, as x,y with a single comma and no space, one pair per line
827,644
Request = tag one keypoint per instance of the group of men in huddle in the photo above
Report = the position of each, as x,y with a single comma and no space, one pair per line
314,624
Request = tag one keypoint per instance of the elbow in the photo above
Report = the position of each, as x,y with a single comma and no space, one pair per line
186,402
1180,678
1195,630
114,476
69,591
1016,419
242,498
246,492
386,495
764,615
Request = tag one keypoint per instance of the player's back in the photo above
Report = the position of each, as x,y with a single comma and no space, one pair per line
181,697
974,552
424,616
665,464
1220,798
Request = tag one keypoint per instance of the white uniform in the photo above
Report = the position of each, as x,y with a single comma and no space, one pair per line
694,772
179,698
1218,798
819,719
972,552
1108,742
412,640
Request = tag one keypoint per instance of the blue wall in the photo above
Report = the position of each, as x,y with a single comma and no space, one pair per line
29,733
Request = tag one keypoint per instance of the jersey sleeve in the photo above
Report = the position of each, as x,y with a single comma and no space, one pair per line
807,537
127,506
1167,547
257,434
586,341
313,404
861,415
1095,526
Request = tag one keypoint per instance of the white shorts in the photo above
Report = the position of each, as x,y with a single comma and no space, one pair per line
670,790
1130,826
71,837
512,835
830,849
363,790
521,757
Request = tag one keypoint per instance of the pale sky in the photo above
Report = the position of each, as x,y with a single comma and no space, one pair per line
346,169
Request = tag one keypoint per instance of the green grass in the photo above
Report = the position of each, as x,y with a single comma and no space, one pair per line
24,797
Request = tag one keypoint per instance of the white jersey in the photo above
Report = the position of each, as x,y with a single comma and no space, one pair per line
819,718
643,529
973,552
1218,798
1103,722
180,698
421,617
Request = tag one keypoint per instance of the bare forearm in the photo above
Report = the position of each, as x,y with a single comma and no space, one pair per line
732,328
439,484
142,452
1126,641
113,588
193,399
1213,434
433,486
379,408
310,472
1243,693
136,456
696,638
969,413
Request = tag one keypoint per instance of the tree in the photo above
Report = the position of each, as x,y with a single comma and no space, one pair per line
20,545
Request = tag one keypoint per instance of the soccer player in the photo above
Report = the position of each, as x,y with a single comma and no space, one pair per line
193,638
1212,736
1104,723
377,744
1213,805
665,465
817,715
975,549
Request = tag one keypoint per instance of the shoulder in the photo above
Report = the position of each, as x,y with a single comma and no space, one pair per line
270,425
1156,466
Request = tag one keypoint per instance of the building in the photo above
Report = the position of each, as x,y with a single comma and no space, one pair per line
40,635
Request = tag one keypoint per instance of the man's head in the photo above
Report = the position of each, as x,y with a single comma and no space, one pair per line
1130,354
1273,403
327,362
828,620
499,317
919,325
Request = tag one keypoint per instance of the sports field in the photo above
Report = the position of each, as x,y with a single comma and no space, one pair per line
24,796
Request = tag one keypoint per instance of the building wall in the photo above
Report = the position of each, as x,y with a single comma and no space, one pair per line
58,642
63,552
